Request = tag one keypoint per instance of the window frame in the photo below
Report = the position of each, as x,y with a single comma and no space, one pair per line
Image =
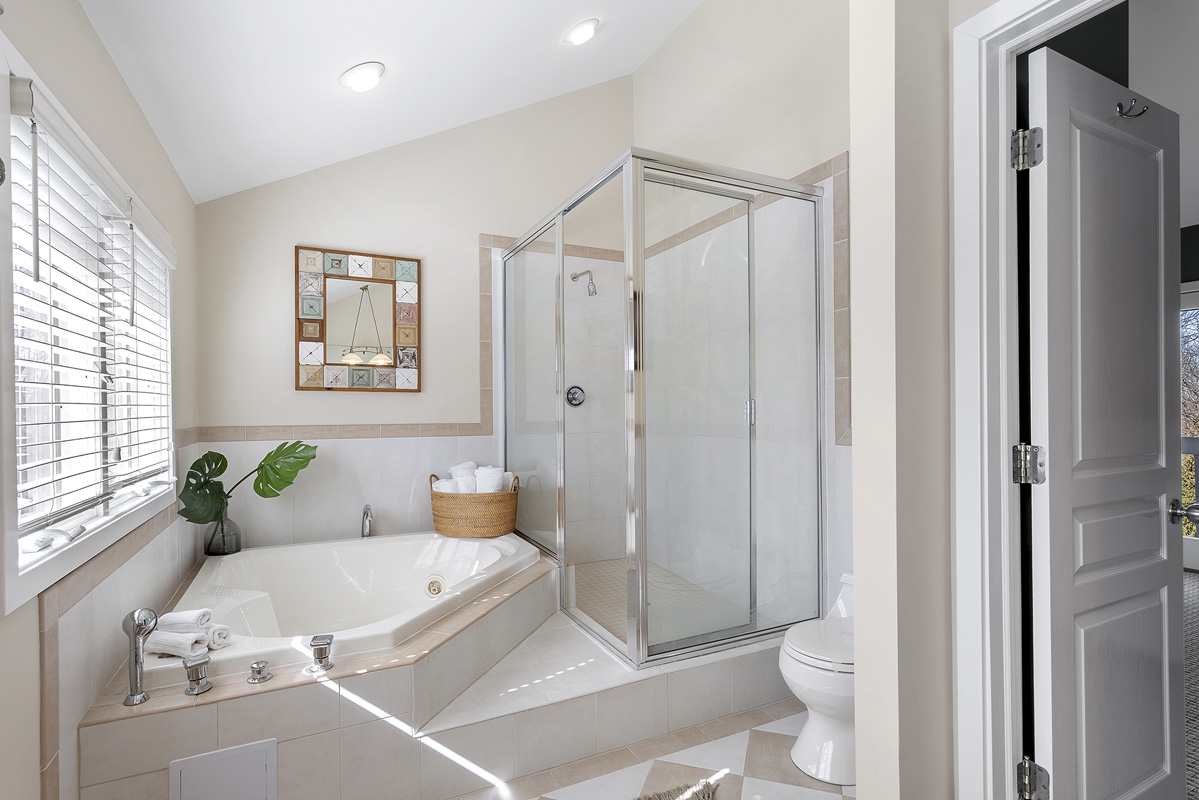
20,585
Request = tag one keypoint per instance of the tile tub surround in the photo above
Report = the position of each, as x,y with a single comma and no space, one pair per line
325,503
378,695
359,729
485,628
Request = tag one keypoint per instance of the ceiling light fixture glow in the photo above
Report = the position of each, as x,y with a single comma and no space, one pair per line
363,77
582,33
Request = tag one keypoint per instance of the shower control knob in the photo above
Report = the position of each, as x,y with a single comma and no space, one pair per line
575,396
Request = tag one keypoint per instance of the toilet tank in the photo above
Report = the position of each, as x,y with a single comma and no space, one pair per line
843,607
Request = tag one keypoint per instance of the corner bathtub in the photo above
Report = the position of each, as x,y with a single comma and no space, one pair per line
370,594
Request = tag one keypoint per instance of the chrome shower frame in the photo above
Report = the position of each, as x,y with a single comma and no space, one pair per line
631,166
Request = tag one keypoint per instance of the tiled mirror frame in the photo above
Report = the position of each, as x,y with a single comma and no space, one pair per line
319,264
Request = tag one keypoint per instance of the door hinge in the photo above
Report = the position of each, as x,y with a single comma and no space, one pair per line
750,413
1027,149
1028,463
1032,780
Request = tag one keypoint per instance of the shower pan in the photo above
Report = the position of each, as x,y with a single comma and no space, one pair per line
663,406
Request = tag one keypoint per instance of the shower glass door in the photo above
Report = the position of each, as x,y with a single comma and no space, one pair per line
594,346
699,579
531,402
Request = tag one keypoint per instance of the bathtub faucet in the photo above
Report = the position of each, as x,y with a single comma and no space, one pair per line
137,626
322,647
367,518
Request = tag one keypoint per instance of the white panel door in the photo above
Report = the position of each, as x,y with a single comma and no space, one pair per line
1104,383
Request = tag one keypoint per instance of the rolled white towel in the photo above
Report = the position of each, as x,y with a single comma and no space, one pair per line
466,484
185,621
219,636
446,486
487,482
173,643
463,470
508,477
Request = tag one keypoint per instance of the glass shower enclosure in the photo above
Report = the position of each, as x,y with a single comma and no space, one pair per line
662,374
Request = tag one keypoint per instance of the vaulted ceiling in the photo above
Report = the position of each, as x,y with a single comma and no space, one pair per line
244,93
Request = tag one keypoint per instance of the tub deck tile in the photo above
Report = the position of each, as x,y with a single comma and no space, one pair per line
108,708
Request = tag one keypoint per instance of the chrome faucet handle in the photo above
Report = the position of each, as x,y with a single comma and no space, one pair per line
197,674
138,625
259,672
322,648
368,517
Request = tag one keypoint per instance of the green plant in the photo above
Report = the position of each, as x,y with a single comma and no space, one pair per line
204,497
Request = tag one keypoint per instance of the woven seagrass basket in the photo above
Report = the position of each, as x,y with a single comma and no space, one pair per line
474,516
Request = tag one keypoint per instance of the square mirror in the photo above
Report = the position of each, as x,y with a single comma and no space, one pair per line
357,321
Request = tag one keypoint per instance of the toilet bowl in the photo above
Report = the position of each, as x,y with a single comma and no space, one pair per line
816,660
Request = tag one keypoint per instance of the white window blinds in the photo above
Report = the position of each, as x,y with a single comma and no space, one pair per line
92,333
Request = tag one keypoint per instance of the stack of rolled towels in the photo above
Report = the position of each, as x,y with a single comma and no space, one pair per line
470,478
187,633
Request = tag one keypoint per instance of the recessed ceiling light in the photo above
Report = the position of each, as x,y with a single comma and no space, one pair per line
582,32
363,77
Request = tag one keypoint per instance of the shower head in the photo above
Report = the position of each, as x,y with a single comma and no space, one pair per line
574,276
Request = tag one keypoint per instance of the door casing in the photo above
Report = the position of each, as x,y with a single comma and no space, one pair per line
985,380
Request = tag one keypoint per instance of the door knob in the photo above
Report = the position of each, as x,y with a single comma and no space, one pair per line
1178,513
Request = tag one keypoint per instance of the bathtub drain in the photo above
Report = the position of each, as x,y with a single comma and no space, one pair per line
435,586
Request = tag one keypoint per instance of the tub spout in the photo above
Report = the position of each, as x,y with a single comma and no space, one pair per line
368,517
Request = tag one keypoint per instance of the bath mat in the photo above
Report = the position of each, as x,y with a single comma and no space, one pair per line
705,792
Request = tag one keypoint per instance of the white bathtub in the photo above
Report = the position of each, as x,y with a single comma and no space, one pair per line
370,594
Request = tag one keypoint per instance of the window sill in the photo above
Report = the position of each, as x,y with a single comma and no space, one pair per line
28,575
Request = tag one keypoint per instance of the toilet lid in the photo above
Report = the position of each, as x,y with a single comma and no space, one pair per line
823,640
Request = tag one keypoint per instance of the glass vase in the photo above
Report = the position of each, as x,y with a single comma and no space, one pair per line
223,537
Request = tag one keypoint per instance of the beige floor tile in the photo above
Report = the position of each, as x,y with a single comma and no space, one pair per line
670,743
785,708
593,767
735,723
665,776
769,758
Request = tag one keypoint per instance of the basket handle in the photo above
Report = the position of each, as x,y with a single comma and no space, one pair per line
432,479
515,484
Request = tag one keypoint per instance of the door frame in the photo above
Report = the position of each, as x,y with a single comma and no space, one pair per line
985,509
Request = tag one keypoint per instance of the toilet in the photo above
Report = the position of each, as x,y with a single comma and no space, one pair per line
816,660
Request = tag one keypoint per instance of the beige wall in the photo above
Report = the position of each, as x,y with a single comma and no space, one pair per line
762,86
900,103
57,40
430,199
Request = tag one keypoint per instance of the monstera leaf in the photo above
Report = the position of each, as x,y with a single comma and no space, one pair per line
203,496
279,469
